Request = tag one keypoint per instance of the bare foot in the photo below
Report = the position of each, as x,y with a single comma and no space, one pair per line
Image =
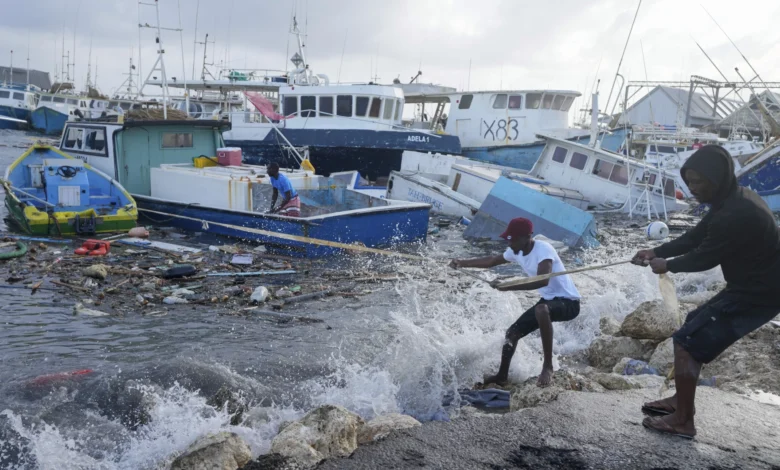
545,378
495,379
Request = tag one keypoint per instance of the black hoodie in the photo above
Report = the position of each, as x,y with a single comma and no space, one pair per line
739,234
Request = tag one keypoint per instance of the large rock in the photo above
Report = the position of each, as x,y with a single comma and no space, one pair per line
627,382
650,321
226,399
221,451
381,426
528,394
328,431
273,462
96,271
663,356
606,351
609,326
753,361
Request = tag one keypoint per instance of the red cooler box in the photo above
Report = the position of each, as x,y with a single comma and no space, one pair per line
229,156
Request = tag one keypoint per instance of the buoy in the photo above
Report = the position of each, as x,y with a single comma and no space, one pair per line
657,231
679,194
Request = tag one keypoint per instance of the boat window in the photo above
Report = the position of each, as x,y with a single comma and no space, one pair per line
95,140
46,98
177,140
533,100
376,105
557,102
125,106
361,106
669,189
344,105
619,174
516,102
499,102
112,104
602,169
326,106
388,113
578,160
398,109
666,149
5,94
567,103
465,101
559,155
19,96
290,105
74,138
547,101
308,106
651,180
74,102
57,99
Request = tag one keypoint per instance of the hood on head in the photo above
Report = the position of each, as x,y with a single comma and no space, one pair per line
714,163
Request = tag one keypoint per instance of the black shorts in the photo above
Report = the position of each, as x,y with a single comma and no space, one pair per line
561,309
720,322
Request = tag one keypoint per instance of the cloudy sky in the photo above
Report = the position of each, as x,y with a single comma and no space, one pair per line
509,43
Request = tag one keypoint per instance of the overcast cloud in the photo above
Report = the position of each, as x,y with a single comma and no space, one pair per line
510,44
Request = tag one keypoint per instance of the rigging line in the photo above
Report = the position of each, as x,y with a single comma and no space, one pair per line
614,82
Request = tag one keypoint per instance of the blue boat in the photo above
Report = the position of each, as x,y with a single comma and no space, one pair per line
48,120
159,163
762,174
16,104
552,217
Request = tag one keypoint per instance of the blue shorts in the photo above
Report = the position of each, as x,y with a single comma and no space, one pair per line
720,322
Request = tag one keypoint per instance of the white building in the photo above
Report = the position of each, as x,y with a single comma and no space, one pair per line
668,106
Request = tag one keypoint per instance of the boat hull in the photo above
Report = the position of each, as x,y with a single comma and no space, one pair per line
15,113
33,222
379,228
772,199
49,121
373,153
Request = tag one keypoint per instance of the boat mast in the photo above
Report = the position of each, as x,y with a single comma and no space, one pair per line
159,64
622,56
12,67
195,39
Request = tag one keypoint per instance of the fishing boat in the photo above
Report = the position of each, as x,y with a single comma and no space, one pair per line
161,165
762,175
49,192
54,109
501,127
16,104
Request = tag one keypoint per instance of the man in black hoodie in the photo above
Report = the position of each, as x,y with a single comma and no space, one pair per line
740,234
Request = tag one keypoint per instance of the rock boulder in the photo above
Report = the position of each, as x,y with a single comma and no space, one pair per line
663,356
221,451
609,326
528,394
328,431
381,426
627,382
606,351
650,321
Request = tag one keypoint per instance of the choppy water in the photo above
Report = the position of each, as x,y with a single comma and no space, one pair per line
402,348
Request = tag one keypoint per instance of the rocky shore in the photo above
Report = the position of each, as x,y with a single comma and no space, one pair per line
589,418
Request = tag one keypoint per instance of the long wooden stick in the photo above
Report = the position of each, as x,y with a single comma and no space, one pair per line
543,277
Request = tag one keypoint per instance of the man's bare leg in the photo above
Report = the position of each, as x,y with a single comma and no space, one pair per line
546,331
686,377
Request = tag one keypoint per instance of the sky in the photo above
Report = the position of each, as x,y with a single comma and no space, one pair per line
467,44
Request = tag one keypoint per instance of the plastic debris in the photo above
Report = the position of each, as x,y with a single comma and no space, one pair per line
283,293
138,232
182,293
80,309
242,259
171,300
637,367
260,294
96,271
179,270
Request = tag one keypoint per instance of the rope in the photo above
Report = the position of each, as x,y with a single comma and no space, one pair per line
21,250
285,236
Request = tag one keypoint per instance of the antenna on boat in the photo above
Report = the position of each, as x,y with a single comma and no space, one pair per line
12,67
195,39
89,67
343,48
183,67
28,60
159,64
617,72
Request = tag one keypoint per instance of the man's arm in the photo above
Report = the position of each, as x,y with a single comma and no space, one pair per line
485,263
721,237
545,267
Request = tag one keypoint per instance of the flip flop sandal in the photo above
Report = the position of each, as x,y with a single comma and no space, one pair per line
653,411
660,426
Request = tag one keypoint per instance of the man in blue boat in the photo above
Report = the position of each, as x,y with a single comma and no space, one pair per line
740,235
560,299
291,203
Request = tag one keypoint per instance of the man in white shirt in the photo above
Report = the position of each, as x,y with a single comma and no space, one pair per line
560,299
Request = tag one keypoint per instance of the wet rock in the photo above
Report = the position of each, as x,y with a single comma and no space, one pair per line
148,287
528,394
260,294
221,451
273,462
328,431
232,290
663,356
627,382
236,407
650,321
609,326
283,294
606,351
381,426
96,271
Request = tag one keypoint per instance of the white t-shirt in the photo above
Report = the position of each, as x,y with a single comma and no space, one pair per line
559,286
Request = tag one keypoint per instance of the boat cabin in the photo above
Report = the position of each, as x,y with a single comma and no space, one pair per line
18,97
371,107
495,118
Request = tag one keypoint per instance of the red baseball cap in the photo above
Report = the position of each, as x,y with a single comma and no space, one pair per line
517,228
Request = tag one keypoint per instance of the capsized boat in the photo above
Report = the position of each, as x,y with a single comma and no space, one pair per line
49,192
